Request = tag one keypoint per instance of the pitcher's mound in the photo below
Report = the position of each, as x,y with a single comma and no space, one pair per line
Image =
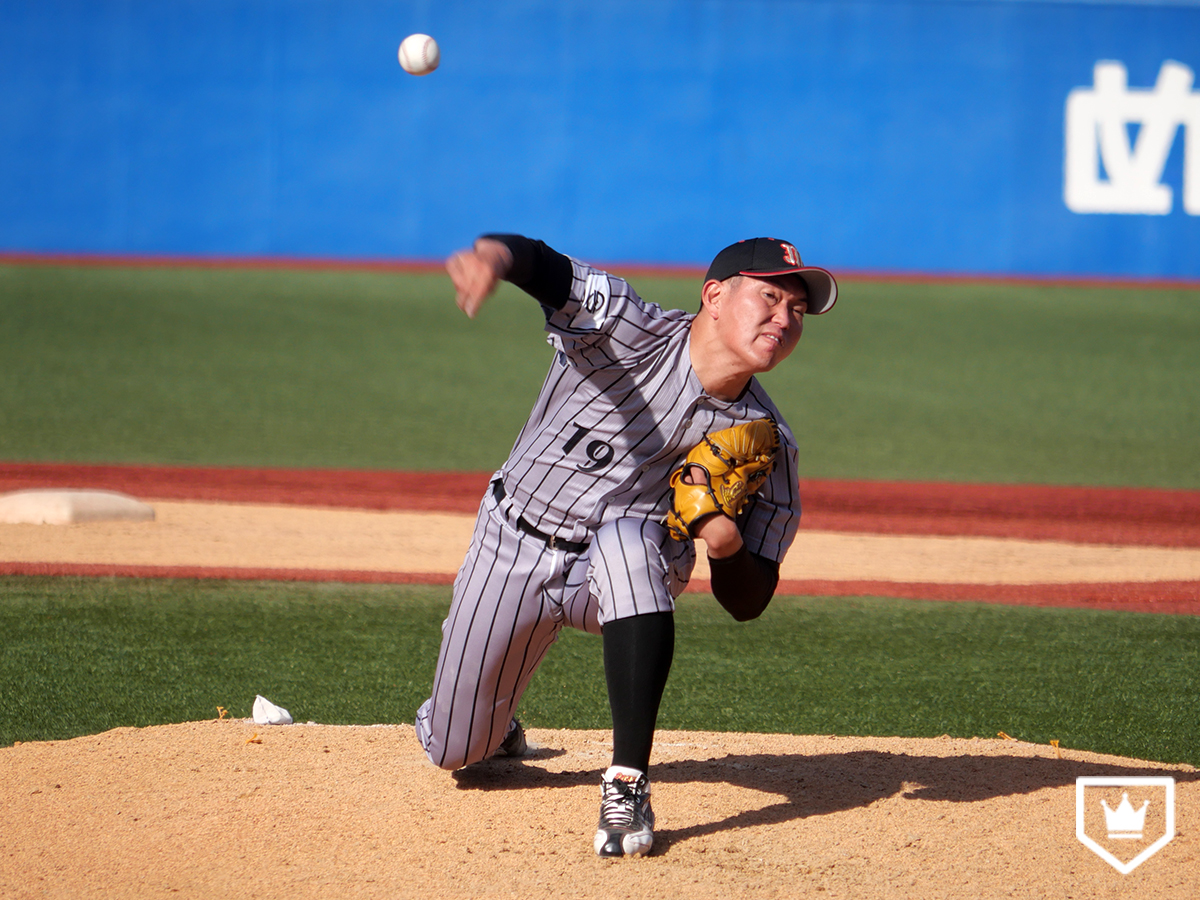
70,507
234,809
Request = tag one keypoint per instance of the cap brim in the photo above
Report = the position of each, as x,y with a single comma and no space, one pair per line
821,286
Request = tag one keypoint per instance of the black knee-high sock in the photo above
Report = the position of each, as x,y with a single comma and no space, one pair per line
637,659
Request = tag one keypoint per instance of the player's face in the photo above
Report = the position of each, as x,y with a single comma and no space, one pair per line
761,319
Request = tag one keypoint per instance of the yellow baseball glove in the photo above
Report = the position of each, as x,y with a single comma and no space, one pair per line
735,463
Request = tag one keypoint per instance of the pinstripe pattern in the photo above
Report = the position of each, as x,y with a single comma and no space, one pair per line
618,411
512,596
496,633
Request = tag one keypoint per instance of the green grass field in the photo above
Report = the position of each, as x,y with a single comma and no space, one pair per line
990,383
85,655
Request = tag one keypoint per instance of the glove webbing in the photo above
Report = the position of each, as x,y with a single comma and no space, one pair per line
730,463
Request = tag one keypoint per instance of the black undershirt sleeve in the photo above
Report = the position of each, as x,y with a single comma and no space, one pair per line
744,583
538,270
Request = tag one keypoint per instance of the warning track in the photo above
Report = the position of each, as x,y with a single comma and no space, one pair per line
1133,549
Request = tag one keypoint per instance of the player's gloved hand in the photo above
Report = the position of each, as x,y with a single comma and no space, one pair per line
727,467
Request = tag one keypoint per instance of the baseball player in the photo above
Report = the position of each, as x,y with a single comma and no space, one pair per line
649,432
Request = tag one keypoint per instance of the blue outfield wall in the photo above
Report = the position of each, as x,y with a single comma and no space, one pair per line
939,136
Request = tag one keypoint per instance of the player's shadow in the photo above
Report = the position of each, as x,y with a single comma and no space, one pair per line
801,786
834,782
513,774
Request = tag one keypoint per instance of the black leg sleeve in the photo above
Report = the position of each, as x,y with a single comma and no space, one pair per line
637,659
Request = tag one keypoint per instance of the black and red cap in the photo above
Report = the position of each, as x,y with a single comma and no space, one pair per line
763,257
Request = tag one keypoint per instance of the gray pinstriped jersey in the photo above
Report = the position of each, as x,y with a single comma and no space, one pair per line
619,410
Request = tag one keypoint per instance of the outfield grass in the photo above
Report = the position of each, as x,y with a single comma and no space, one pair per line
257,368
84,655
989,382
992,383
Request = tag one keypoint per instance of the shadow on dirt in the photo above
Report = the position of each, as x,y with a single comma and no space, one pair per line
824,783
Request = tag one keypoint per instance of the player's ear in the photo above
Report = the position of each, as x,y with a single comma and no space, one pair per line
710,297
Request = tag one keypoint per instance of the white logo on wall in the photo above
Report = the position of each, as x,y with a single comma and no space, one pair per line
1097,131
1125,834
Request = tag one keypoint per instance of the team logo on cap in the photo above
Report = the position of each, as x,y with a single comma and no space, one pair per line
790,256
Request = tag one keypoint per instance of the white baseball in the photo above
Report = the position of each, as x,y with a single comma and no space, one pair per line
419,54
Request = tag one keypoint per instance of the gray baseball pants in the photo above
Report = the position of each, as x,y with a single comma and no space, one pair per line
512,596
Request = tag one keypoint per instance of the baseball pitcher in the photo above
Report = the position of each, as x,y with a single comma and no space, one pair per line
650,433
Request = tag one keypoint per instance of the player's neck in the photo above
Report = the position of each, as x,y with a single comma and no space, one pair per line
720,373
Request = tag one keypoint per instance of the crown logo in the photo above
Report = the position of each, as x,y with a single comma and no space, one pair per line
1125,823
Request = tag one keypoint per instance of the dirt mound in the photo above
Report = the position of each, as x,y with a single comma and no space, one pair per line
233,809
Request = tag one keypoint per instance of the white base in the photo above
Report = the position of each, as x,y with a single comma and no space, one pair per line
70,507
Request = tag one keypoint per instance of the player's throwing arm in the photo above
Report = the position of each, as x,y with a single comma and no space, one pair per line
476,272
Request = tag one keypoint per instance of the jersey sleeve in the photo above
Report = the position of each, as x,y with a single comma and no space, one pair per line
594,319
604,322
772,516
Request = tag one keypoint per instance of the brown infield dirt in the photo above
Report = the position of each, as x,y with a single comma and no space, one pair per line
228,808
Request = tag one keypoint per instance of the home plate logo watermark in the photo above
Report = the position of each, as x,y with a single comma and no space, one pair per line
1124,821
